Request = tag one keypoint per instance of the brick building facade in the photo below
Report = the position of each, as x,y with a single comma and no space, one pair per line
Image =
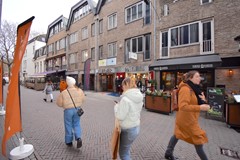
184,35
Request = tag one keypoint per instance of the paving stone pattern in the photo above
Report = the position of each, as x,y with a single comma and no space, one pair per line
43,128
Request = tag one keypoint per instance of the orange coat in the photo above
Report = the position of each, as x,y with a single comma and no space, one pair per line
63,85
187,127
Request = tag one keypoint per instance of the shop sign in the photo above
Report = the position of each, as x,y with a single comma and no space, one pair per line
136,68
119,69
102,62
107,70
111,61
163,68
202,66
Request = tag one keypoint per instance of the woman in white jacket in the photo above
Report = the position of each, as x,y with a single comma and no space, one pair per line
127,112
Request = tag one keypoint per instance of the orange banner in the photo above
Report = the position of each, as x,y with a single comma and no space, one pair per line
13,122
1,82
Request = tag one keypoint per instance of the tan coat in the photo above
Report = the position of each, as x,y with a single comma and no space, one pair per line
187,127
64,100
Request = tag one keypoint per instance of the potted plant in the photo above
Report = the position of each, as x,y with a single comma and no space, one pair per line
158,100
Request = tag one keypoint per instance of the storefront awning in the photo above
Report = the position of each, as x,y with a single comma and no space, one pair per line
193,62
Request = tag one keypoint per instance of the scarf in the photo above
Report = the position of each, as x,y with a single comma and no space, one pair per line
197,91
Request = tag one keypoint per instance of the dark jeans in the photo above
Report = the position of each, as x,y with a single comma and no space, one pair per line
173,141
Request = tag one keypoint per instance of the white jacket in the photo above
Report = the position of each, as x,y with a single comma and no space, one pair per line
128,110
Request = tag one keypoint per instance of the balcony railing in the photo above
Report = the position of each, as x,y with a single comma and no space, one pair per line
207,46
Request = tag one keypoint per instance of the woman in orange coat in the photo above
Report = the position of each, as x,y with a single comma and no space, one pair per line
190,101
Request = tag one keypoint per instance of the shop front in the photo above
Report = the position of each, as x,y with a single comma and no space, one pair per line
141,75
170,71
106,79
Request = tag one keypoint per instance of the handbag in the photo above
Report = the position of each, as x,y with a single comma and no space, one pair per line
115,140
80,110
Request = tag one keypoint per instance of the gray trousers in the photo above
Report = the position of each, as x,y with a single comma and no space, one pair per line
173,141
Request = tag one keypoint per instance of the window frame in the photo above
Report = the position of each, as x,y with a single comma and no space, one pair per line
129,12
114,21
112,47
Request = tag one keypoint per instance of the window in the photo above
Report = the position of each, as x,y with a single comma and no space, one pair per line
84,33
100,26
100,52
165,10
148,14
50,48
93,29
134,12
183,35
207,37
93,53
64,60
73,38
112,21
81,12
138,45
164,52
62,43
205,1
72,58
73,61
147,47
24,64
112,49
58,45
84,55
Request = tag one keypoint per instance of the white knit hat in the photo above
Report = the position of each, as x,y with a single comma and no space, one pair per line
70,81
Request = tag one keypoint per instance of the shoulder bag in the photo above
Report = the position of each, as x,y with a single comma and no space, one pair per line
80,110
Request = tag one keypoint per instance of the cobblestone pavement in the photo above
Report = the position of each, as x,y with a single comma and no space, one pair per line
43,128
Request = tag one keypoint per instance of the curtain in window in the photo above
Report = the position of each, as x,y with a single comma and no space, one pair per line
174,37
164,44
147,47
184,35
194,33
207,31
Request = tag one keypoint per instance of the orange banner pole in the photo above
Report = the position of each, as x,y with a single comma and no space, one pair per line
1,81
13,122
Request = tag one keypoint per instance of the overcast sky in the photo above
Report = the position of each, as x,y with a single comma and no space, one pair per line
45,11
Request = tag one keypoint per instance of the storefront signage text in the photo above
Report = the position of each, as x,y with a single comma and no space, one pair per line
202,66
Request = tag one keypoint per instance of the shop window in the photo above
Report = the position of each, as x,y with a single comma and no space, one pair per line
168,80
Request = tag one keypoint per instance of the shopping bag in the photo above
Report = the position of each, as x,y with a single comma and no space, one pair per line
115,140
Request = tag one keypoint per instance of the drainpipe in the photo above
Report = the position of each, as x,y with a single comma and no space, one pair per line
154,32
96,51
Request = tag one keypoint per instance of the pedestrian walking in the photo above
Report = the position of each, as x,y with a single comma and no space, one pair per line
127,112
190,102
68,99
48,91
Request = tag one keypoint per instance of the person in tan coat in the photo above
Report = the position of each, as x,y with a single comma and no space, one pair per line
190,101
71,118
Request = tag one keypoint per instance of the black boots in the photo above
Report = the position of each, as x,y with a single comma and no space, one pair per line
79,143
170,157
46,100
69,144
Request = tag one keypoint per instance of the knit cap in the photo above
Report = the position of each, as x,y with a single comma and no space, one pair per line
70,81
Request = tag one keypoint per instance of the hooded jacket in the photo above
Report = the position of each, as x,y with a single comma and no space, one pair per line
128,110
187,127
